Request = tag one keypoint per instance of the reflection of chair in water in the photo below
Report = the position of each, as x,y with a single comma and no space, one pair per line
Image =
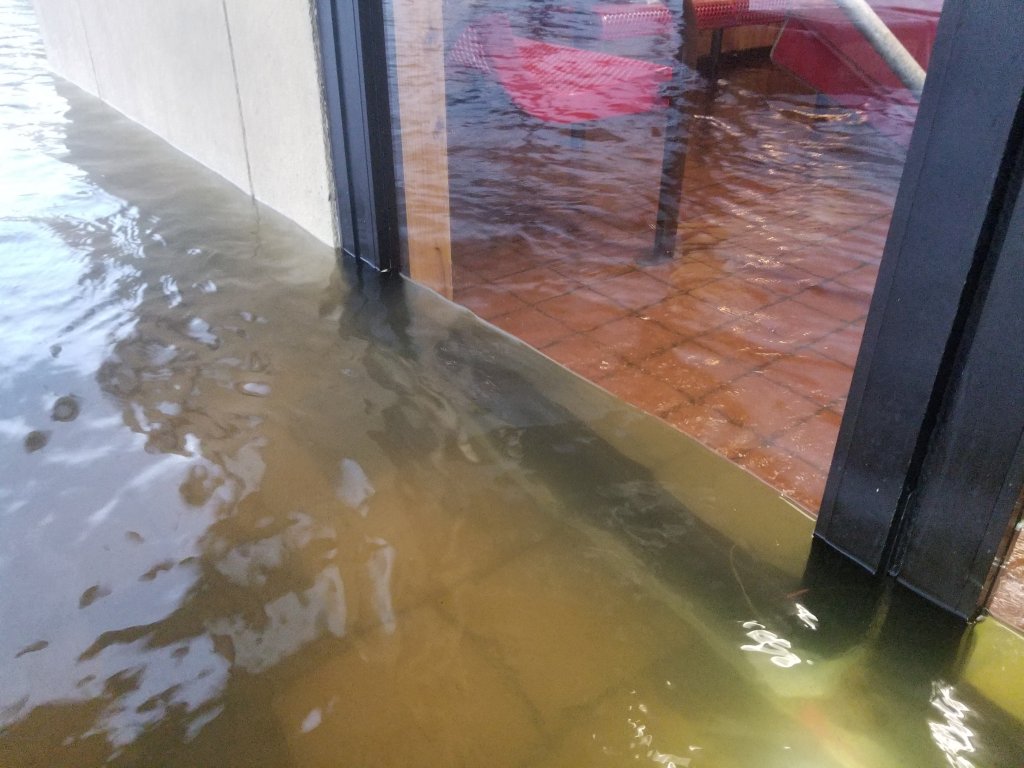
560,83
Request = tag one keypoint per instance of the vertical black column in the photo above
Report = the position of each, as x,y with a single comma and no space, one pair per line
354,58
941,254
961,515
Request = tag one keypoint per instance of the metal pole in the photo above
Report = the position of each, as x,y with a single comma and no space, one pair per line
888,46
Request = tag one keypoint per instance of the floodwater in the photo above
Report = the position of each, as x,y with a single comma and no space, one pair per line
260,510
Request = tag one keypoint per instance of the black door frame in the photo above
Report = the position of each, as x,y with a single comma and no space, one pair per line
355,77
928,464
960,519
926,474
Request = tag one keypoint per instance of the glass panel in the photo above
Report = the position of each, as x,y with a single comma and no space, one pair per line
540,139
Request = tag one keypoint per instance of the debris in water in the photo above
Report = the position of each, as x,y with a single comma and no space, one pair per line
35,440
65,409
36,646
92,594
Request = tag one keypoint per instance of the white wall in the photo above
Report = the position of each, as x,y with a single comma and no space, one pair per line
233,83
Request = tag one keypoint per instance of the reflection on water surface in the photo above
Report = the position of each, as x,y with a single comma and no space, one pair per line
260,511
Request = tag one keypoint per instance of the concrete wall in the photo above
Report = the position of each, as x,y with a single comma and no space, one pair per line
233,83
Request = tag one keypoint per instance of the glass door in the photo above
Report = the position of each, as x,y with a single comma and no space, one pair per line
684,201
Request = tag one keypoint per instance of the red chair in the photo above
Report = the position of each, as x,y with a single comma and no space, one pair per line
559,83
622,21
825,50
719,15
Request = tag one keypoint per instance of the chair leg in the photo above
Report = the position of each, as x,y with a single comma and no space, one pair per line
673,166
577,134
716,55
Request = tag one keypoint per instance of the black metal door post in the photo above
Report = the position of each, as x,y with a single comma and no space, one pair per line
961,516
354,61
945,246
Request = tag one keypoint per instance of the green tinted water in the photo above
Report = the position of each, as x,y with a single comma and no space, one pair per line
257,510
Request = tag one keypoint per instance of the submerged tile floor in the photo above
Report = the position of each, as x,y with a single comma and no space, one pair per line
747,338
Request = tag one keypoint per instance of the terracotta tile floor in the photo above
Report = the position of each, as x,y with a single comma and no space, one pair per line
747,338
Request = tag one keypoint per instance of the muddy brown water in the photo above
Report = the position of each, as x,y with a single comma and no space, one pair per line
259,509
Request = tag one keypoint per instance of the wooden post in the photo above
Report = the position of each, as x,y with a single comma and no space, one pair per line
419,53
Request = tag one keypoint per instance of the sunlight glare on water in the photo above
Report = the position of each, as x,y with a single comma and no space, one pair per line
260,510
